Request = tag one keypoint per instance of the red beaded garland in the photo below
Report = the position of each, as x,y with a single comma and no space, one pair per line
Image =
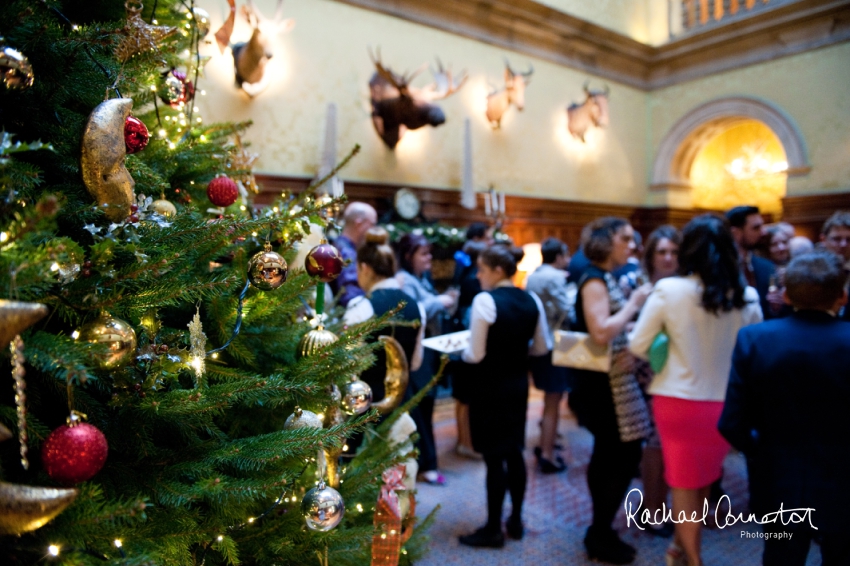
74,454
222,191
324,263
136,135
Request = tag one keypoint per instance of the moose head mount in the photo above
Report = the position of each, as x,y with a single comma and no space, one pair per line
592,112
250,58
398,107
513,92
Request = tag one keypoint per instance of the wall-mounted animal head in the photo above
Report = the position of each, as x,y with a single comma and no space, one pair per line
398,107
250,58
592,112
513,92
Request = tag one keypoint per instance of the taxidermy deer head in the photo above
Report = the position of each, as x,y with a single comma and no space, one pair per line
250,58
592,112
499,101
398,107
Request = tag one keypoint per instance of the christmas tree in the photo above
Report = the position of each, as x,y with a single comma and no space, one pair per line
176,394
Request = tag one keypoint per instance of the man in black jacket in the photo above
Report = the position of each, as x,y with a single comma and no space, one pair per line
747,228
786,410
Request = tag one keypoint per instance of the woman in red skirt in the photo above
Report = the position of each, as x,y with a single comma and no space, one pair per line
701,311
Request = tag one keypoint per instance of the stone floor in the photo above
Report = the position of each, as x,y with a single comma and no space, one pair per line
557,509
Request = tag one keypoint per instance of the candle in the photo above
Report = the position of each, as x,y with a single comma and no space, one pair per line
502,204
487,204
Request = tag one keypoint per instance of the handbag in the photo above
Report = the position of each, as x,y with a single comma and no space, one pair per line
658,351
578,350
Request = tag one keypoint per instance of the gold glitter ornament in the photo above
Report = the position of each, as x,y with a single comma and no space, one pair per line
16,316
164,207
198,341
139,36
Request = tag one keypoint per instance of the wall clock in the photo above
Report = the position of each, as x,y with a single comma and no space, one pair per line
407,204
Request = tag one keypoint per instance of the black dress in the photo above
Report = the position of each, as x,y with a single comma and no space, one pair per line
383,301
500,381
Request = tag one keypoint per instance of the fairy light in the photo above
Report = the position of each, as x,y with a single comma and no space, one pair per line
162,133
203,93
250,519
153,88
171,145
220,538
345,447
154,22
243,208
54,267
203,138
75,334
117,542
53,550
254,234
215,356
4,237
360,507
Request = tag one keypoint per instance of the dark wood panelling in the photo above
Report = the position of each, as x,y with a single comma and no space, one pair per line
808,213
528,219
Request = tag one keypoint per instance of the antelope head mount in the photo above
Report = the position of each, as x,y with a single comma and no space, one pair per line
250,57
398,107
513,92
592,112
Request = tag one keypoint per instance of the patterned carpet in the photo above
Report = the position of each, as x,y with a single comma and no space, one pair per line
557,509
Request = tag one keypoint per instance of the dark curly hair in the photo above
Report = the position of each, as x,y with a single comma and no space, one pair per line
708,250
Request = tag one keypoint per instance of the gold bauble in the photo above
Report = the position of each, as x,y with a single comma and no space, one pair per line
267,269
15,69
164,207
102,159
15,317
315,340
24,508
5,433
396,377
115,333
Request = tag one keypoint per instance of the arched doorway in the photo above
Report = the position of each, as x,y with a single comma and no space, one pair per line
701,147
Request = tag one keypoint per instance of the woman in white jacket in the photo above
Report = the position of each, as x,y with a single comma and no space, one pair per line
701,311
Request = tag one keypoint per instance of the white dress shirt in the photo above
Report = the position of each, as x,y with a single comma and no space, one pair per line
701,343
484,314
360,309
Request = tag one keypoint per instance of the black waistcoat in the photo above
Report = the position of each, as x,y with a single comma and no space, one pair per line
500,397
383,301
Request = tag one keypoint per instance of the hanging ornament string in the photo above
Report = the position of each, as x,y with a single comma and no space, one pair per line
238,325
17,349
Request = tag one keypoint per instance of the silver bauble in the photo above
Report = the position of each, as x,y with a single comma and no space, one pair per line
302,419
202,20
356,397
322,508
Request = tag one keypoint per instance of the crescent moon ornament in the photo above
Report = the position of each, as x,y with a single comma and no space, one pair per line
396,378
24,508
103,153
15,317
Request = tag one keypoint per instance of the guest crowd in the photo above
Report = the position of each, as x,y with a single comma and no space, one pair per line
726,334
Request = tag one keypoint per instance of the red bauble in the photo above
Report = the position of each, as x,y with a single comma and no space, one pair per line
136,135
222,191
74,454
188,87
324,263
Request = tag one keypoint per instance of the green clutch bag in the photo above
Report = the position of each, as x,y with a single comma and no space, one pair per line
658,351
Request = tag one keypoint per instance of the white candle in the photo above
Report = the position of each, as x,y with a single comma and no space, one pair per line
502,204
487,204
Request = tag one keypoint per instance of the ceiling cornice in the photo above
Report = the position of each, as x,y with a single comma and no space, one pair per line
537,30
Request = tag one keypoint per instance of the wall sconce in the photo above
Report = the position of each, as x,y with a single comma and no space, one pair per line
592,112
250,58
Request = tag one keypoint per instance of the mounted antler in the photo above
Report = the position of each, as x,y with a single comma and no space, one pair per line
513,93
397,107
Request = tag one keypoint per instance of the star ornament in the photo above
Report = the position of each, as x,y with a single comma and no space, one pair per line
139,36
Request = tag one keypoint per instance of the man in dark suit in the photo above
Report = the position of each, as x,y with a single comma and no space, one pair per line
786,410
835,237
747,228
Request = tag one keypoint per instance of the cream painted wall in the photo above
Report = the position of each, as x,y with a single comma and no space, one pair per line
642,20
325,59
811,88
